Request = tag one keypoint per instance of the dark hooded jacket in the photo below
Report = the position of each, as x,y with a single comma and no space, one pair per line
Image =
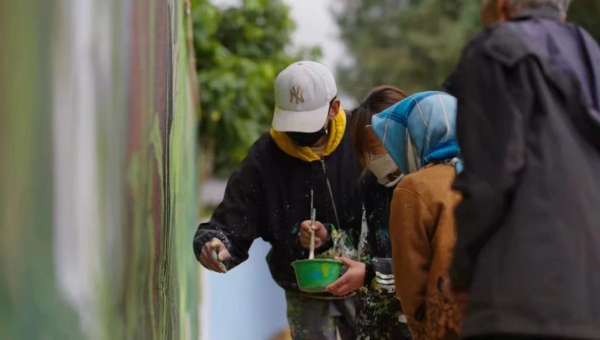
528,248
270,194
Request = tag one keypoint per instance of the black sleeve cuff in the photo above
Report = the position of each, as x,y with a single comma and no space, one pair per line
369,274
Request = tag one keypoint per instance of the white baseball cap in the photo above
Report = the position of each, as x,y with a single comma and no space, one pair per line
303,93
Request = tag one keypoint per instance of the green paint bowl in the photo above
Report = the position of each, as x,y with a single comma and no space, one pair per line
316,274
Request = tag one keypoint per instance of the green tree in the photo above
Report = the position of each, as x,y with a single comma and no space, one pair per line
240,50
412,44
415,44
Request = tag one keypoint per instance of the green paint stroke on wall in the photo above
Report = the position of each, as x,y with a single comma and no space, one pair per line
98,172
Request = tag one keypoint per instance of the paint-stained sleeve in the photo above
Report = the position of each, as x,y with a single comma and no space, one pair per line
236,221
381,266
491,116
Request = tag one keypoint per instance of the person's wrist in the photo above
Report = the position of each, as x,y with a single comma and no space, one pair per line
363,271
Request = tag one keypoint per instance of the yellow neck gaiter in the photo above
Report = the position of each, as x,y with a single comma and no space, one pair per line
305,153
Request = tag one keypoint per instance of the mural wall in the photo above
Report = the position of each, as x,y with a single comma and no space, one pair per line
98,171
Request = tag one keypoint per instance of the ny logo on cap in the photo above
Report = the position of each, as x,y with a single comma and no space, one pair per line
296,94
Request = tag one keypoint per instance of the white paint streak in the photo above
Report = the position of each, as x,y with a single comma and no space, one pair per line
81,50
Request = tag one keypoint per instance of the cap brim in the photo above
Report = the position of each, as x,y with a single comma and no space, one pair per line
305,121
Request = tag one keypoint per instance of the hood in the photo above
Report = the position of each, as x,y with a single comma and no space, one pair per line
336,133
420,130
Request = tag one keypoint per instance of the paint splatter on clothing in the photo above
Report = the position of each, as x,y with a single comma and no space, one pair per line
270,194
379,316
343,244
379,312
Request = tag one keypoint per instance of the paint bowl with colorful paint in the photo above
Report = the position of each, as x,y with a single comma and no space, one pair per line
314,275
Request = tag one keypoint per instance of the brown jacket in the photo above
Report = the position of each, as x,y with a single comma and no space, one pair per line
423,235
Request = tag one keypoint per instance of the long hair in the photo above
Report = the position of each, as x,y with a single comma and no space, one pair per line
379,99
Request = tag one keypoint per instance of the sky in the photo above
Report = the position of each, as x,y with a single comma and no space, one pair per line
316,26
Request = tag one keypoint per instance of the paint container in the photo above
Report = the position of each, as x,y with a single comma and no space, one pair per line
314,275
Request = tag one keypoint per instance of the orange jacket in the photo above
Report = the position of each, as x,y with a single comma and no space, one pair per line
423,235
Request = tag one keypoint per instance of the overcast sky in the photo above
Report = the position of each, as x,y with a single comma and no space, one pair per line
316,26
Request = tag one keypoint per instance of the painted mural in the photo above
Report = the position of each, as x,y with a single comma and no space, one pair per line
98,180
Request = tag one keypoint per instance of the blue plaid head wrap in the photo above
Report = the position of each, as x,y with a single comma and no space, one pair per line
420,130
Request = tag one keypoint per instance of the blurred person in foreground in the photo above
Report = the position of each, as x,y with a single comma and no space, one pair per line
528,228
419,135
378,310
307,160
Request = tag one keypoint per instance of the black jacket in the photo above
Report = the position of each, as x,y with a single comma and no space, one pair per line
377,250
378,307
270,194
528,229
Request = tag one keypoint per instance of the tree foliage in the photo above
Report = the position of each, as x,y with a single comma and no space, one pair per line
586,14
239,51
415,44
412,44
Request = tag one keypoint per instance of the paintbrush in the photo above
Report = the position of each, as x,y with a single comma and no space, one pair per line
313,215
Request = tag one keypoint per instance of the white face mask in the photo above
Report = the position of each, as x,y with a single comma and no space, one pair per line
382,166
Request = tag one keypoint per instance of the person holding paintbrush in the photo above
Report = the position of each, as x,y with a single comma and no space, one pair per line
306,164
379,313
